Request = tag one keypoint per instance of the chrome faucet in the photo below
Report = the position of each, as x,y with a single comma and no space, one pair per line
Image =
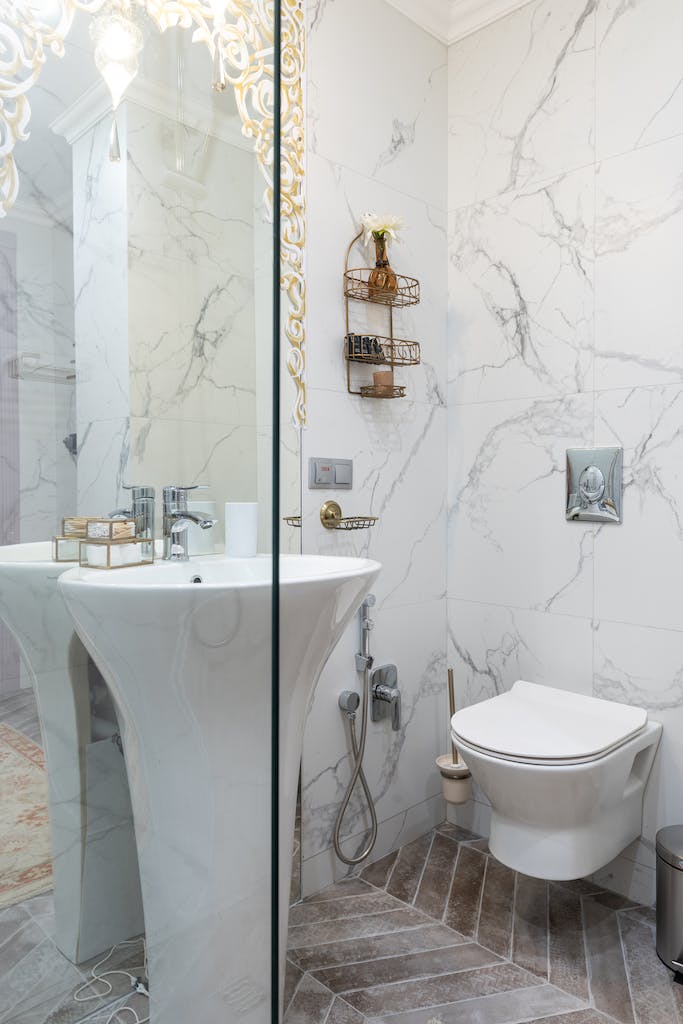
177,520
141,509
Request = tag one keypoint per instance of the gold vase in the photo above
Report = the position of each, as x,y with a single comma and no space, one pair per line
382,280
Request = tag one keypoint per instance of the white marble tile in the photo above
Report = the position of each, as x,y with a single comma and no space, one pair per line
490,647
509,542
221,456
521,100
338,198
639,88
399,455
399,766
644,667
324,868
191,341
474,815
639,564
639,219
378,104
521,292
202,215
103,464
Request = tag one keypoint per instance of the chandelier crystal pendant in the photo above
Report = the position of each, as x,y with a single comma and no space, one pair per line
118,41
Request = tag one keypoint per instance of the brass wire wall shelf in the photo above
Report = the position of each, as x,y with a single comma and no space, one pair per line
357,286
381,351
375,349
332,519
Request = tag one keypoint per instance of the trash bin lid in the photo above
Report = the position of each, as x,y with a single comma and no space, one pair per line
670,845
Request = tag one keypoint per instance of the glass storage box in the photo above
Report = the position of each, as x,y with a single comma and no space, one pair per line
116,554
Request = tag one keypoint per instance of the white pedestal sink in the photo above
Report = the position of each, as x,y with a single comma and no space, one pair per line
189,667
95,874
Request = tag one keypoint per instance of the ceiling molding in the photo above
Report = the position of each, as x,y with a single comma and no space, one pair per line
451,20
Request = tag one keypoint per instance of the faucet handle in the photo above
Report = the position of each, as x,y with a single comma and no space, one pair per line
138,491
176,496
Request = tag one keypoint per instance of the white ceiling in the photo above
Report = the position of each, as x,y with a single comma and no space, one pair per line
450,20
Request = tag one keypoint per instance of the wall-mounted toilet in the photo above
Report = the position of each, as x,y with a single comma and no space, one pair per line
565,775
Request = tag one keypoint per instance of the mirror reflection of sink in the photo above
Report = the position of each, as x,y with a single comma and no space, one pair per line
189,665
94,865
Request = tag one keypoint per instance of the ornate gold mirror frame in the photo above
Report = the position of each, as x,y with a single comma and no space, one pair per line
242,40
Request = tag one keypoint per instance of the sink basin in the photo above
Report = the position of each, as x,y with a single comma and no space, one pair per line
95,876
189,666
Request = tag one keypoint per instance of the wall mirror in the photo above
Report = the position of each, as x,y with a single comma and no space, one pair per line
136,348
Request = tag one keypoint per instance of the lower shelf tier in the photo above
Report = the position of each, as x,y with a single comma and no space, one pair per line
381,351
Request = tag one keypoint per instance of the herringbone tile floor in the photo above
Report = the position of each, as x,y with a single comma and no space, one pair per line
442,932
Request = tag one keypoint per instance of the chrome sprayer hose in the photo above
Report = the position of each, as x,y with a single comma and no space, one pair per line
349,704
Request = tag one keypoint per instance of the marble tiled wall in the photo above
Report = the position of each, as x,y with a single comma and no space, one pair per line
565,216
377,106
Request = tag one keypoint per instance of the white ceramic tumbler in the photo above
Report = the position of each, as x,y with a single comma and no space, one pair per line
241,528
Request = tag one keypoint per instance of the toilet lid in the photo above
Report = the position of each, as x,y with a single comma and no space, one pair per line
542,723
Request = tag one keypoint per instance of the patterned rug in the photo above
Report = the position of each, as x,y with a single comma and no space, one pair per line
25,861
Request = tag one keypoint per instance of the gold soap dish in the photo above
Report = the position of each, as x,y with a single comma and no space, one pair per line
293,521
332,519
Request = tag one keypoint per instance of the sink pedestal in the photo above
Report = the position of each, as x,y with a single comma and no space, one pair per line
190,670
94,864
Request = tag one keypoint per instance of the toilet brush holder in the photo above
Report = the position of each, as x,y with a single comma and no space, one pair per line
456,779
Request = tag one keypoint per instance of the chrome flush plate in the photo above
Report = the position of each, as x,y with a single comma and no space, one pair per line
594,485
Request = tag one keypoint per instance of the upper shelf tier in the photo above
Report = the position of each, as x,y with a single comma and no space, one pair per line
357,286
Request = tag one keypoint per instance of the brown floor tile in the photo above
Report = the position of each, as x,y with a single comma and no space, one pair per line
378,873
504,1008
436,879
343,1013
497,902
566,950
578,1017
656,997
293,976
462,909
413,940
403,968
355,927
347,906
311,1003
608,981
405,878
446,988
530,930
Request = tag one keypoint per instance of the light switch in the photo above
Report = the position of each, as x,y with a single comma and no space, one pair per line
342,473
324,472
330,474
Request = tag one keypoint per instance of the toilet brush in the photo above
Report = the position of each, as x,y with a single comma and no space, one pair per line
456,779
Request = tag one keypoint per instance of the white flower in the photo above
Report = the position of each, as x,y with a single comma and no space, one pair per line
380,226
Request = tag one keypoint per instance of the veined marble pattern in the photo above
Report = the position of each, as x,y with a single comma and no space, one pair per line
377,116
521,100
367,142
639,84
521,287
639,218
508,539
566,206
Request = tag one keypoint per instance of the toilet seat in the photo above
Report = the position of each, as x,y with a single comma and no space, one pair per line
542,725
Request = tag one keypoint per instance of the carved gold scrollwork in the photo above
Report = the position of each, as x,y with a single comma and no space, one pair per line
245,38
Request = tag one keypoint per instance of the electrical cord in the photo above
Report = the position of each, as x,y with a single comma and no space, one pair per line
137,982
